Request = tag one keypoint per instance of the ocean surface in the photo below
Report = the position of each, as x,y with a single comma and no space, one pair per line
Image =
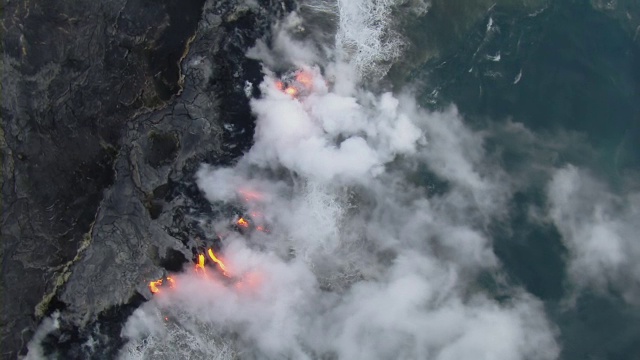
450,180
565,68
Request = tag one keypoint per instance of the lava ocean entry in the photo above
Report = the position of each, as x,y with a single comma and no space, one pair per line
207,260
347,187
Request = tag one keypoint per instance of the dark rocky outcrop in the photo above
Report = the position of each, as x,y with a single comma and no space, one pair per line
108,108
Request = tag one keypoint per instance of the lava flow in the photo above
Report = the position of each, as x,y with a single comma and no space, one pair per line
305,79
200,265
242,223
254,220
220,264
290,90
154,286
253,199
249,195
296,84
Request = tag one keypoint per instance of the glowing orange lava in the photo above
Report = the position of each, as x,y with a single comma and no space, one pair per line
291,91
243,223
153,286
200,265
279,85
217,261
249,195
247,282
304,78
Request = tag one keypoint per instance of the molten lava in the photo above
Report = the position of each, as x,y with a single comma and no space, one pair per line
154,286
200,265
217,261
305,79
246,224
249,281
242,223
296,84
249,195
291,91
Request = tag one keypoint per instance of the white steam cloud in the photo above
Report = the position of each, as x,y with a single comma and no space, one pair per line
362,260
48,325
600,230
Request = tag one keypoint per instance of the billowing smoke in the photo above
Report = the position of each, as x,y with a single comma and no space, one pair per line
364,257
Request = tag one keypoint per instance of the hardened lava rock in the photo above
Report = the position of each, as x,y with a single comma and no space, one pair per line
108,108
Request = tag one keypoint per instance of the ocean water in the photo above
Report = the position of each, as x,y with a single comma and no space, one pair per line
577,69
445,180
564,68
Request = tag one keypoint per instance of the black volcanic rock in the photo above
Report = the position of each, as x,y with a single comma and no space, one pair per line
108,108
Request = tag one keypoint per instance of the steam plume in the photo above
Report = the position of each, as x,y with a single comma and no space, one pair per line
363,259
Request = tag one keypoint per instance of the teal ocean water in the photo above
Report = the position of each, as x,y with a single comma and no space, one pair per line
570,73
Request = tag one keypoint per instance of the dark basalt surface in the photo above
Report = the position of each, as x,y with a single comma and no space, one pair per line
108,109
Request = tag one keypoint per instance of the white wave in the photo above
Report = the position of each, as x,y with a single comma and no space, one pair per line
167,339
518,77
366,36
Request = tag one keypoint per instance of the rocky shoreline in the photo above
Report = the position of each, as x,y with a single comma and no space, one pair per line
108,109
